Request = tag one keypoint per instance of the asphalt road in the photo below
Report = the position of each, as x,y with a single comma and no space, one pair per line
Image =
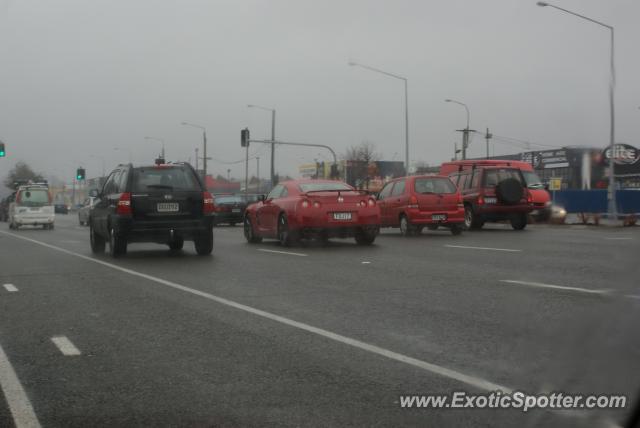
259,335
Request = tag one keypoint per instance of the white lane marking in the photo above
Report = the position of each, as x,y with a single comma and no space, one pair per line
17,400
556,287
632,296
430,367
366,263
282,252
620,238
10,287
65,346
69,242
483,248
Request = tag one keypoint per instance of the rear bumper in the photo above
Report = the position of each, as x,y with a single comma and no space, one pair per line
34,220
325,221
501,212
335,232
426,217
161,231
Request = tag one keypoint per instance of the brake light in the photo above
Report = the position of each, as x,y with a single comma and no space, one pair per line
305,204
529,198
480,200
124,204
372,202
316,204
413,202
208,206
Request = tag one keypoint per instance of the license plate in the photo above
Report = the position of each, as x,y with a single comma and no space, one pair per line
490,200
168,207
439,217
235,210
342,216
34,209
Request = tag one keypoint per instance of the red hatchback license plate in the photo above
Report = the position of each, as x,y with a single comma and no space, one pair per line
439,217
342,216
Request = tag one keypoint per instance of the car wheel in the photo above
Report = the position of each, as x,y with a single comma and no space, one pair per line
365,236
176,244
519,221
204,243
284,234
117,244
471,220
456,229
249,233
406,228
97,241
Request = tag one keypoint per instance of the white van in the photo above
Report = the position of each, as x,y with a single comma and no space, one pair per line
32,206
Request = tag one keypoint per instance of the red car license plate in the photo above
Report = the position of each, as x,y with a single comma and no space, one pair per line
342,216
439,217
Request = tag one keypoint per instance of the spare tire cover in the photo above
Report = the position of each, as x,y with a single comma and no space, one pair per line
509,191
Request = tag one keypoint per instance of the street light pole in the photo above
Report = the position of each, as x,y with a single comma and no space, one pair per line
273,138
465,131
613,209
406,106
204,146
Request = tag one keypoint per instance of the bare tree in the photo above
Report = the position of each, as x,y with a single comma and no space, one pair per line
361,163
363,152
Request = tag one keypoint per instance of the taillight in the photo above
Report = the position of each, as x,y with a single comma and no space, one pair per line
529,198
19,198
413,202
316,204
372,202
460,202
208,206
124,204
480,200
305,204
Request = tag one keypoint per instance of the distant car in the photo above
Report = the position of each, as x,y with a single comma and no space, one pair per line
162,203
85,210
304,209
412,203
229,209
61,208
32,207
4,206
491,193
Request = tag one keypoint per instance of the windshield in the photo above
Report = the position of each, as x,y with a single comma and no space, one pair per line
169,178
314,187
434,185
494,176
532,180
34,197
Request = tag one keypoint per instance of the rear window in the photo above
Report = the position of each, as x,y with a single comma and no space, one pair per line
314,187
434,185
494,176
229,199
34,197
163,178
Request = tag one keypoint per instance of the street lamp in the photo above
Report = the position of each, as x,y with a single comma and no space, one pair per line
159,140
406,107
613,215
204,146
273,138
465,131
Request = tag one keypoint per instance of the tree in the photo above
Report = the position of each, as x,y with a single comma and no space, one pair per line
21,172
361,164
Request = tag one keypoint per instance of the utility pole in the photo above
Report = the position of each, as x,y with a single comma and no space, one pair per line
273,147
487,137
196,159
455,151
204,158
258,172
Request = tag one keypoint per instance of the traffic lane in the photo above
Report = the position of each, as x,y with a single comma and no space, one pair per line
155,356
482,352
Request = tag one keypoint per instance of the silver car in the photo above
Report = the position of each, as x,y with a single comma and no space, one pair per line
83,212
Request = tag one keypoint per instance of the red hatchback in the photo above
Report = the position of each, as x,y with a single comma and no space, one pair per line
303,209
412,203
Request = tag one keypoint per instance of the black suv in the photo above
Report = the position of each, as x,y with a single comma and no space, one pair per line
163,203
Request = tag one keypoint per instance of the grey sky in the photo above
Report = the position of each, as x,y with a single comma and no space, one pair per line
82,77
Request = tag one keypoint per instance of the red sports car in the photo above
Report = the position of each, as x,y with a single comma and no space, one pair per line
303,209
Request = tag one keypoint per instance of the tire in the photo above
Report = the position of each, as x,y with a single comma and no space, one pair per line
176,244
249,233
471,220
406,228
365,236
432,226
519,221
97,241
117,244
456,229
509,191
285,236
204,243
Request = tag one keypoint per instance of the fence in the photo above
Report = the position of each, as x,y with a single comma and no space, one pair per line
595,201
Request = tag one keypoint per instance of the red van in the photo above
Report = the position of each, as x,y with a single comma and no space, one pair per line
539,195
411,203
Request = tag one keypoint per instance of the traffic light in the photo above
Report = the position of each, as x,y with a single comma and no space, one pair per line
80,174
2,152
244,137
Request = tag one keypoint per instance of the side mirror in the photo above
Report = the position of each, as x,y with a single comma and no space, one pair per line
93,193
262,198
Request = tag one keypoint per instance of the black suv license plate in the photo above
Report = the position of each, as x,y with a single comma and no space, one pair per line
168,207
